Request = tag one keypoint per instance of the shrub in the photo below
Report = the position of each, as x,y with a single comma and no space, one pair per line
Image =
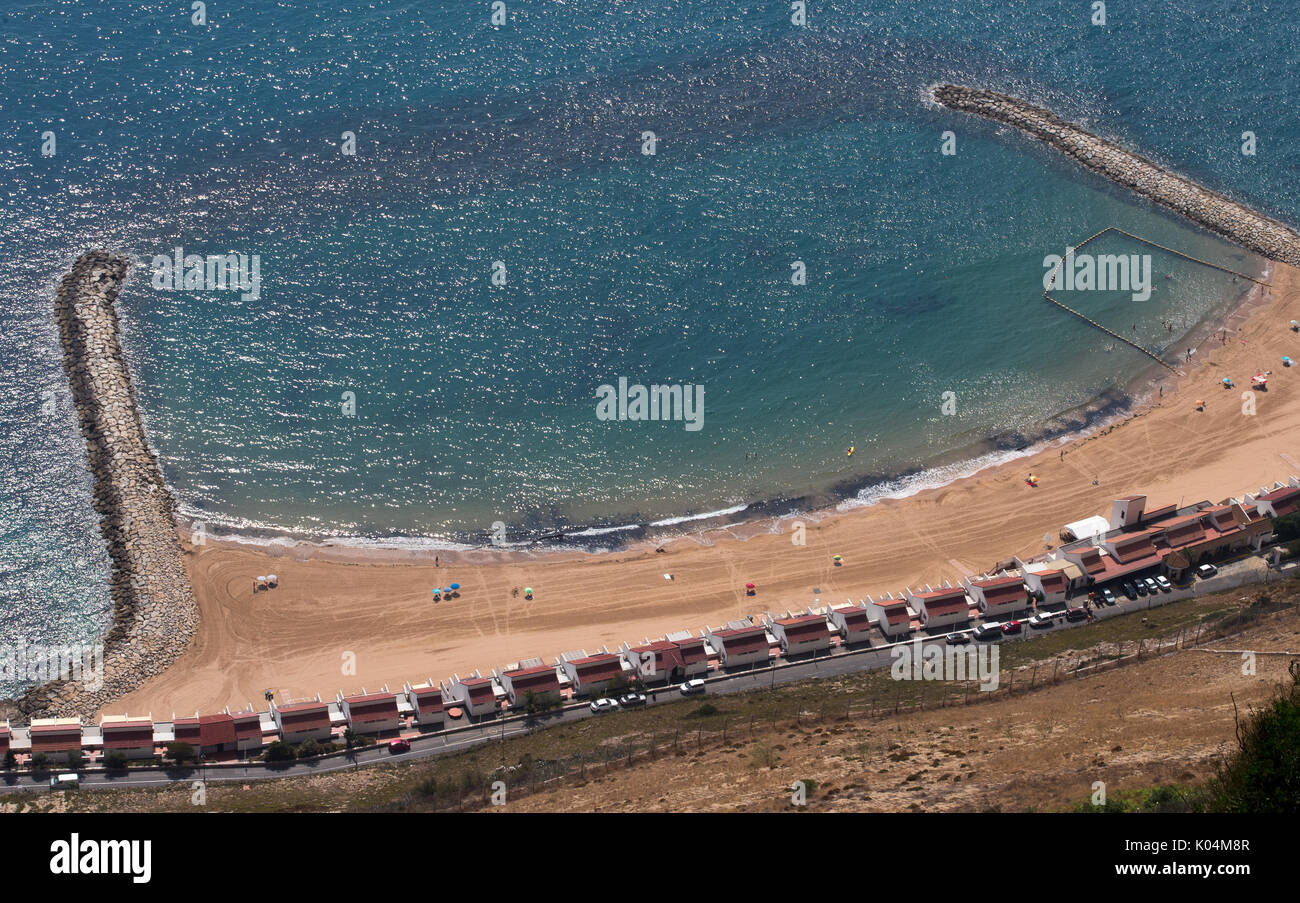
1261,776
179,752
115,760
279,751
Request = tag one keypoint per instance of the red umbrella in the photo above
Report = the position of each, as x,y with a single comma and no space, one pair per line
749,586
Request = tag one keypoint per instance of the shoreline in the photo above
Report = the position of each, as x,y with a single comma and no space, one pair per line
1135,398
378,609
155,613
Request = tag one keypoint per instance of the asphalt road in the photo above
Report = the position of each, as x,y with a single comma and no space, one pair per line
461,738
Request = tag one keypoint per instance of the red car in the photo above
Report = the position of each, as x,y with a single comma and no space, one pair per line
1011,627
398,745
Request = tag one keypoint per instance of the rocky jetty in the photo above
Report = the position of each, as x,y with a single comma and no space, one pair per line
154,612
1234,221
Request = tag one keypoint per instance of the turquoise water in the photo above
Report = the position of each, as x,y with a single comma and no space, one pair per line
475,402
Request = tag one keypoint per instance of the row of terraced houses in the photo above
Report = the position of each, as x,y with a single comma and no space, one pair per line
1133,541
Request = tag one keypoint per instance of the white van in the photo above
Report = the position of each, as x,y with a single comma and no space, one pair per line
67,780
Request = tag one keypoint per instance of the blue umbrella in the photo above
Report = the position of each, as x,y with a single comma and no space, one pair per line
455,586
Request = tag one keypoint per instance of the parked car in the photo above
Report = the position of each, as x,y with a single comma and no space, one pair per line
632,699
989,630
1011,627
600,706
1163,582
399,745
956,639
1206,571
1078,614
1141,586
1130,590
692,687
1152,586
67,780
1041,620
1107,596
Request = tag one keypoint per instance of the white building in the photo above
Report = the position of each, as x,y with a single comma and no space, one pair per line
804,634
740,643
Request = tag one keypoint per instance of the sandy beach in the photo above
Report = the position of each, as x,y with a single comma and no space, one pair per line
335,606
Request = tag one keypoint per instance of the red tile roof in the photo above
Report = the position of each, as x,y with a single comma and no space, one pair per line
427,699
804,629
1052,581
856,618
304,716
743,643
479,690
372,707
666,655
692,650
1284,501
946,607
593,668
894,611
206,730
1131,548
1004,591
248,726
1091,561
48,738
541,679
127,734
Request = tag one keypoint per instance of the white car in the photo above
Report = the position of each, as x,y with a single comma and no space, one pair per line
1163,582
1041,620
600,706
692,687
632,699
1206,571
66,780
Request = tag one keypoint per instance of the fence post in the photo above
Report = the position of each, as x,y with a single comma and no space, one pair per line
1056,668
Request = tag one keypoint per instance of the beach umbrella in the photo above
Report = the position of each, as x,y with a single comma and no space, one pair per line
455,586
749,586
528,591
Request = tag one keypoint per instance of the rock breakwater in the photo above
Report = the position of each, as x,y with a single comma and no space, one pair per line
154,611
1216,212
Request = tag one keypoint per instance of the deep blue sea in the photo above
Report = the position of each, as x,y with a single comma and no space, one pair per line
474,402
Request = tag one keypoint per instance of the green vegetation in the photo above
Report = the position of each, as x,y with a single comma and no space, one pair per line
115,760
180,752
584,749
279,751
1287,528
1262,776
